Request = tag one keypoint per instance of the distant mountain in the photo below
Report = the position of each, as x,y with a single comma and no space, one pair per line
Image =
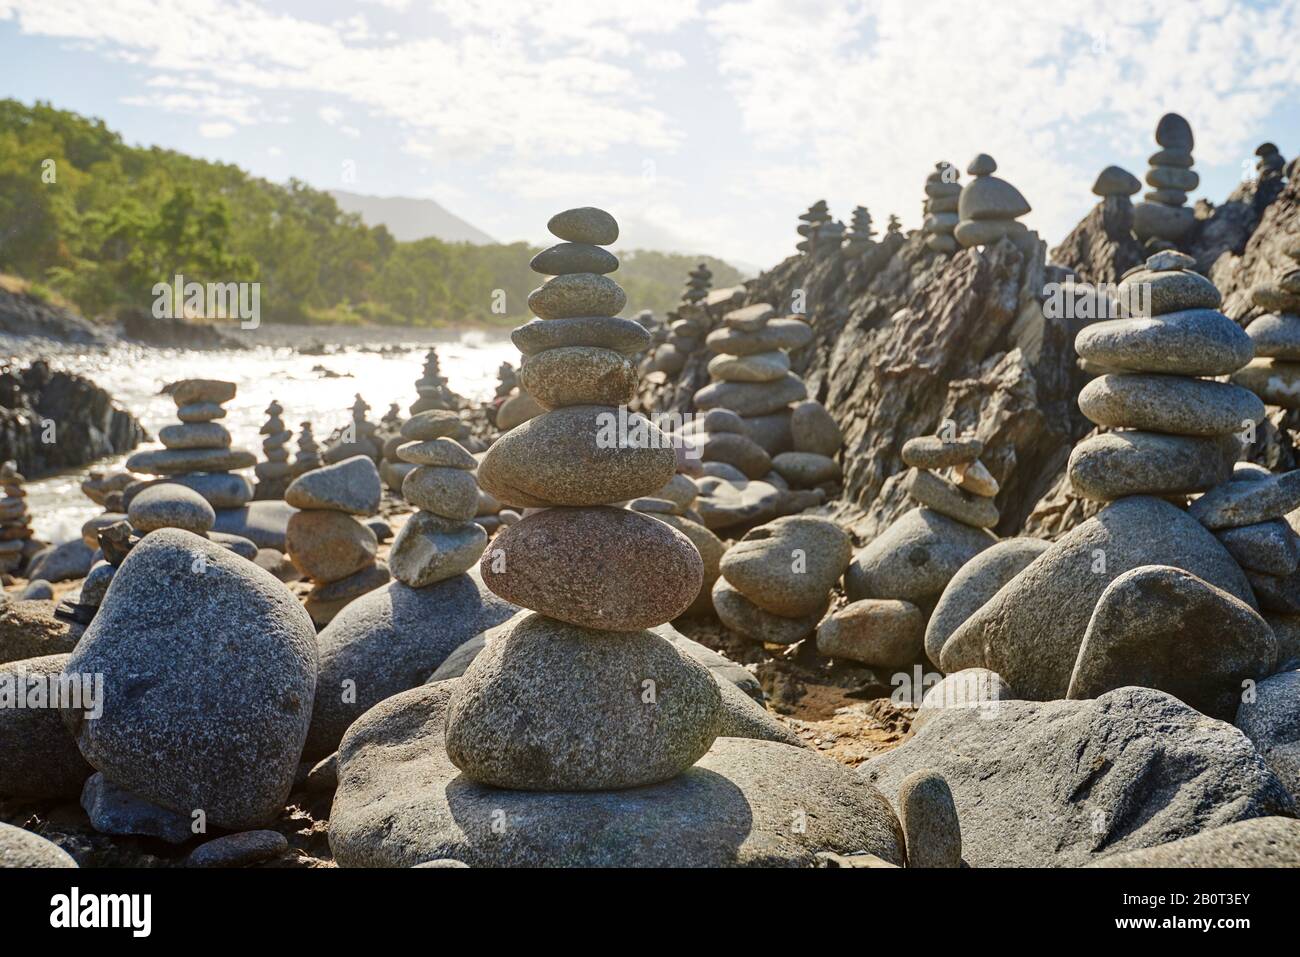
410,219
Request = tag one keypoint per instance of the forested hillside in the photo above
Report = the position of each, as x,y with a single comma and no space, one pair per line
100,222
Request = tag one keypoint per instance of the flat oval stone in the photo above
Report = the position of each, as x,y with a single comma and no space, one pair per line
200,412
752,398
450,493
517,410
565,258
584,224
431,549
806,469
723,502
578,455
988,197
1171,157
986,232
1174,132
191,391
326,546
928,814
1174,404
738,450
937,452
590,566
915,558
431,424
814,429
445,452
549,706
760,367
1275,297
194,435
1173,177
354,586
874,631
782,333
1276,381
350,486
1148,293
1165,222
940,495
180,461
1189,342
1115,181
171,506
1269,548
1276,336
605,332
787,566
745,618
578,375
1118,464
577,294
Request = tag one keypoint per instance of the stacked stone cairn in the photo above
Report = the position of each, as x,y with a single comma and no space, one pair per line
442,539
308,456
775,582
1164,219
577,701
810,225
698,284
674,504
894,227
942,194
989,207
432,387
15,521
894,583
324,540
688,324
197,451
1175,433
507,380
274,475
1271,164
1274,375
357,438
862,235
1116,187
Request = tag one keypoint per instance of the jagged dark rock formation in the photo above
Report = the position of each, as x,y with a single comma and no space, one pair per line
1102,247
142,326
86,423
25,315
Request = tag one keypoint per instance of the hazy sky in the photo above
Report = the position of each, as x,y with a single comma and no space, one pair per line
708,124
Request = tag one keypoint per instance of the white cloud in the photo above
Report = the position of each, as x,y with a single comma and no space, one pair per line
274,151
665,60
216,131
330,114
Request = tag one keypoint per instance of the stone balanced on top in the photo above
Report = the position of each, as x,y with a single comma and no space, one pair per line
274,474
862,235
326,543
989,207
1164,218
432,387
698,284
308,455
15,522
579,699
357,438
197,452
1177,433
942,193
810,225
1274,375
896,580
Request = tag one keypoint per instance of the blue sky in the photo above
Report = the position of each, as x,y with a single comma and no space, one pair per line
702,126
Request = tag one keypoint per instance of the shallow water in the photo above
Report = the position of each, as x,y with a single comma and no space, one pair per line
134,374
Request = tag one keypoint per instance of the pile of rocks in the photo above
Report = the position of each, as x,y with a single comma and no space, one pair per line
1274,375
326,543
1164,219
15,522
432,387
1271,164
1115,185
675,505
698,284
895,582
441,539
358,437
308,456
894,227
942,195
274,474
775,582
1179,432
989,207
811,223
197,452
577,718
862,235
507,381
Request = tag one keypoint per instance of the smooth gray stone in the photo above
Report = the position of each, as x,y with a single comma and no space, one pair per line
1286,629
760,367
178,461
443,452
350,486
219,489
1276,381
1171,223
788,566
1271,719
62,563
265,524
752,398
1188,342
1174,132
744,617
607,332
577,294
814,429
20,848
207,688
936,452
1031,630
777,334
1276,336
1171,157
880,632
236,543
115,810
37,590
1268,547
773,432
431,424
915,558
991,198
1171,404
724,503
168,505
1114,181
940,495
929,818
195,435
1259,842
803,470
564,258
974,584
584,224
549,706
200,412
401,801
1164,292
1073,780
1174,178
38,757
725,471
969,688
1234,504
724,420
579,375
1143,627
1115,465
239,850
190,391
736,450
389,640
1276,593
429,549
